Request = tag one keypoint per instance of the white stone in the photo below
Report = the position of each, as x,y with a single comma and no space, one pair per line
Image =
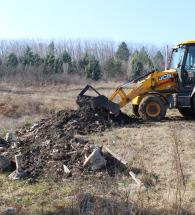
18,175
66,170
9,137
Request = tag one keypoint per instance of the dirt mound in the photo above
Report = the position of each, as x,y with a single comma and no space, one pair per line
53,142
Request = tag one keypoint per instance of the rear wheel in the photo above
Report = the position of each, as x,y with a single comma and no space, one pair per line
135,110
152,108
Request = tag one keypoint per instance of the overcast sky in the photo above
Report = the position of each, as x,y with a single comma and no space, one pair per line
149,21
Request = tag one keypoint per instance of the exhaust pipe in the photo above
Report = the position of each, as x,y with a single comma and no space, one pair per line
166,57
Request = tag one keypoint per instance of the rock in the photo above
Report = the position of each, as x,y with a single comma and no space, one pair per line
2,149
10,211
4,163
18,160
34,126
5,154
9,137
16,175
96,159
66,171
3,143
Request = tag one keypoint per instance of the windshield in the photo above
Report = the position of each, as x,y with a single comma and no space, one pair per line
176,58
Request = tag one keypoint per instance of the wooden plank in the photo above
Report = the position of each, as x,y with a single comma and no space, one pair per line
89,158
132,174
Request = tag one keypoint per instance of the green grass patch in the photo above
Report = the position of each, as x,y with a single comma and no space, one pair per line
193,184
43,196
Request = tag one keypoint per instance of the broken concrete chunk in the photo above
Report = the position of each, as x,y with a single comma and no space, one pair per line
34,126
4,163
10,211
18,160
96,159
9,137
46,143
66,171
16,175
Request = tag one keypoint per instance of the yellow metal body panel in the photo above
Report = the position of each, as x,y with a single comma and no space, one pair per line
136,100
187,42
154,82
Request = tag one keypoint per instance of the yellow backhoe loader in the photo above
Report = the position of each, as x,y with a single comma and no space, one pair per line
156,91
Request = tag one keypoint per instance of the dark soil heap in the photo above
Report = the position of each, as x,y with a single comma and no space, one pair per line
54,141
3,143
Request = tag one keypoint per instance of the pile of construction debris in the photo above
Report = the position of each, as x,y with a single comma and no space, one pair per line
55,146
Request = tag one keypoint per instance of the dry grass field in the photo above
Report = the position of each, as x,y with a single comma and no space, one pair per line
162,152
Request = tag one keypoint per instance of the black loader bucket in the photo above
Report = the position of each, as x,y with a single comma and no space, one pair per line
100,101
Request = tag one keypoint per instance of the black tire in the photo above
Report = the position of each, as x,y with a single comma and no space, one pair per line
135,110
152,108
187,113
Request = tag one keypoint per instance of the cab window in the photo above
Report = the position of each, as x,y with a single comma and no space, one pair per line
190,59
189,68
176,57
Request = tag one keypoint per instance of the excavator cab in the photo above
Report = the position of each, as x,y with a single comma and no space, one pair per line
183,60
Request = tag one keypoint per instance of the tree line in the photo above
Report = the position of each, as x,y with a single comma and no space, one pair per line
95,62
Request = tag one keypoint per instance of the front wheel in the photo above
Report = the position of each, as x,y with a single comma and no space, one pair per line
152,108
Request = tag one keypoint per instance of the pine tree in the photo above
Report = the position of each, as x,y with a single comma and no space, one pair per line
74,68
89,65
122,52
37,60
65,57
83,62
135,66
11,60
93,70
112,68
58,65
29,58
51,63
145,60
51,48
158,61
